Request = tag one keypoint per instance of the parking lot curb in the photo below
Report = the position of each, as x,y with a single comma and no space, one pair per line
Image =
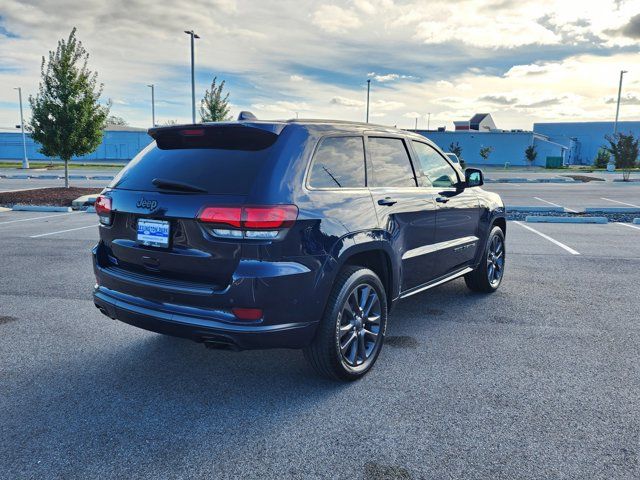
535,209
47,177
101,177
40,208
19,177
554,180
612,210
547,219
84,200
78,177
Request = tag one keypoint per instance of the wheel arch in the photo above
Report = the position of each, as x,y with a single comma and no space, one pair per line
377,257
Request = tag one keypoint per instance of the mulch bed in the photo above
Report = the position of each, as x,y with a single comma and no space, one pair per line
585,178
58,196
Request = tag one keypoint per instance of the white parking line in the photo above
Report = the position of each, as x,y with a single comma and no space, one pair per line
39,218
63,231
621,203
552,240
627,225
556,205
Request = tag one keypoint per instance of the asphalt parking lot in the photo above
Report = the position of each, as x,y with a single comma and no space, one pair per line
540,380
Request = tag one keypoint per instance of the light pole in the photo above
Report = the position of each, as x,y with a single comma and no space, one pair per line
153,105
416,128
368,91
193,76
615,125
25,160
428,121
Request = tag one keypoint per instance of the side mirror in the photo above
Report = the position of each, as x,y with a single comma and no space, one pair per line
473,177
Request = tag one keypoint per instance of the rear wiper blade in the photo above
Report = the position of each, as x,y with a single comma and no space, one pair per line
173,185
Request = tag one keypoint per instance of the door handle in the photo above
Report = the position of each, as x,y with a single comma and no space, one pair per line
387,201
442,199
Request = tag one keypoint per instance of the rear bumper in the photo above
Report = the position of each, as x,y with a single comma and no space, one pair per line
287,294
212,332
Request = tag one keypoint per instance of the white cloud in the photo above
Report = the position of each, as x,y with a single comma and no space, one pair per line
347,102
279,57
389,77
336,19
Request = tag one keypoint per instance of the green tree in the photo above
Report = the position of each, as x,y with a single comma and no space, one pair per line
115,120
624,149
602,158
531,154
457,149
485,152
67,118
214,107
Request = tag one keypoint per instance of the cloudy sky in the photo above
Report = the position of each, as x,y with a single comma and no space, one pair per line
523,61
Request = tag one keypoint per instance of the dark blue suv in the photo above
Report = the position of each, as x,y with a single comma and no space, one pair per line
295,234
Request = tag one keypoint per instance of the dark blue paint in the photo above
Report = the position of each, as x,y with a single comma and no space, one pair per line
190,288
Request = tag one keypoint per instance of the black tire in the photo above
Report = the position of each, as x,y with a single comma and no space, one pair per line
488,275
343,319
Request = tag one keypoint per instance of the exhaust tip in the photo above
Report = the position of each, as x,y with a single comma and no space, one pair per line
220,343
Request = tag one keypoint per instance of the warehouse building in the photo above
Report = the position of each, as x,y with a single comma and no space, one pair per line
119,145
570,143
566,143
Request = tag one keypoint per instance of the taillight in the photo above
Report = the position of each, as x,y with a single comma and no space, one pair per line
254,222
103,209
247,313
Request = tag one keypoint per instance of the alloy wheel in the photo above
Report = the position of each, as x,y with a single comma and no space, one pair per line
495,260
359,331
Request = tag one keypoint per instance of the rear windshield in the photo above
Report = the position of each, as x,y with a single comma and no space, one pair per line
227,170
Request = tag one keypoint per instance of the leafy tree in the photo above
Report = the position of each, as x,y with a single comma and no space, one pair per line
624,149
602,159
531,154
457,149
485,152
115,120
67,119
214,107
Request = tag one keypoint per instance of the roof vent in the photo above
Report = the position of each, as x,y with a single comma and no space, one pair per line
245,115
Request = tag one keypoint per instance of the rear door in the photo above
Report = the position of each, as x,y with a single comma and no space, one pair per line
458,214
157,197
405,212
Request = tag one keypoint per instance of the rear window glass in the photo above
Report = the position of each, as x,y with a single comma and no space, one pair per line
227,170
391,163
338,163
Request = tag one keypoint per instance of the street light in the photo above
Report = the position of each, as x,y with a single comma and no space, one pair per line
153,105
428,121
193,77
615,125
25,160
368,90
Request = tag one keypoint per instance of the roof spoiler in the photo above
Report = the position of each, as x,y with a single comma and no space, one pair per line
246,116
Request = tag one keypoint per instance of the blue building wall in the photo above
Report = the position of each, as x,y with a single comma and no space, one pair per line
116,146
583,138
507,146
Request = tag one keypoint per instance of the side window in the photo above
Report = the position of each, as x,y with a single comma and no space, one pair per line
338,163
436,168
391,166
